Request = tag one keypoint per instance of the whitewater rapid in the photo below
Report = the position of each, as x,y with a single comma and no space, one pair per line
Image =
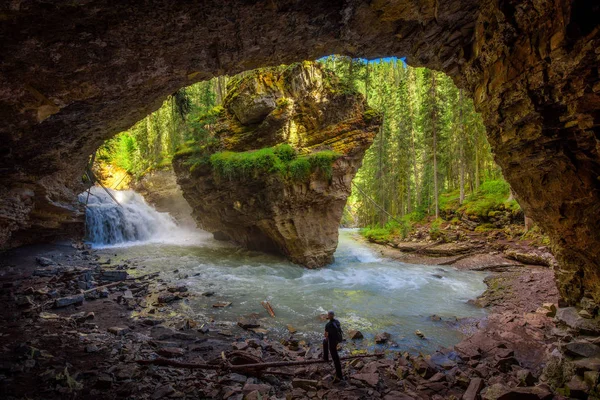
130,221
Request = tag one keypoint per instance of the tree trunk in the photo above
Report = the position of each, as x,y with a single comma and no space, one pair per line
434,129
461,147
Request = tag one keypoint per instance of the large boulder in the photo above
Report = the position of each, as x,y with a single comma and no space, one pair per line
276,172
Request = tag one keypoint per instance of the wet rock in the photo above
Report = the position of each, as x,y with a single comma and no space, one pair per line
423,368
178,288
382,337
247,323
46,272
45,261
49,316
81,317
355,335
588,305
171,352
591,378
91,348
203,329
395,395
578,389
444,361
582,349
208,294
525,377
587,364
371,379
501,392
531,257
165,298
263,389
221,304
291,329
550,307
438,377
113,275
118,331
162,391
473,390
67,301
505,364
420,334
233,377
570,317
305,384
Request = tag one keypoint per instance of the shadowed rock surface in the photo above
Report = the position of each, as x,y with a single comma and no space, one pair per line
292,207
74,74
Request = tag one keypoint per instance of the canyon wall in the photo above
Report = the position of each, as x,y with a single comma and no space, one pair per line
74,74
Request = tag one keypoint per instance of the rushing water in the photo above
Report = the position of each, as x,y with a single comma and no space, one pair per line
126,221
368,293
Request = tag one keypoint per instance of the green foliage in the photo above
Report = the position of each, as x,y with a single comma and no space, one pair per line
391,230
281,160
300,169
435,229
450,200
490,196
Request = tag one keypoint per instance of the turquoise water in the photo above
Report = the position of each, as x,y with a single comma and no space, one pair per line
368,292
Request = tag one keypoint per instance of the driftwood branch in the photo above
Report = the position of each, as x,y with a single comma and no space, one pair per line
268,307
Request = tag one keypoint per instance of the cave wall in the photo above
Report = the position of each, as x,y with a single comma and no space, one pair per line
73,74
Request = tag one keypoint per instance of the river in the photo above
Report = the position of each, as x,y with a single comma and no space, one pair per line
368,293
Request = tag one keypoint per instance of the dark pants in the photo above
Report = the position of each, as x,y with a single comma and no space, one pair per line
331,347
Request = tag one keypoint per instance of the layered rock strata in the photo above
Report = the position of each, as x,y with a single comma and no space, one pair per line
289,140
75,73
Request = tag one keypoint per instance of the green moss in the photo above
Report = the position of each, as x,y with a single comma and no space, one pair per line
491,196
322,161
299,169
485,228
281,160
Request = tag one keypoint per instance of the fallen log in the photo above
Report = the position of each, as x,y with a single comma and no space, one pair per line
164,362
171,363
293,363
268,307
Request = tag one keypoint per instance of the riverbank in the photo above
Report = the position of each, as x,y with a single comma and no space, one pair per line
58,342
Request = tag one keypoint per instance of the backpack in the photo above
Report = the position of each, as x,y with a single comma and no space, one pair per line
338,328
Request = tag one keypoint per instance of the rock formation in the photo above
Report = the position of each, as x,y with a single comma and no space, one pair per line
75,73
290,140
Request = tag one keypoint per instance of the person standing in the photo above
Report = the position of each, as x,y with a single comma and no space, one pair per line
333,336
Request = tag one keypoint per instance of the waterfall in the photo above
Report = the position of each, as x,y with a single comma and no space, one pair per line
108,223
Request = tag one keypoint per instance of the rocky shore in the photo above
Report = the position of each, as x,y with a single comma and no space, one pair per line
74,325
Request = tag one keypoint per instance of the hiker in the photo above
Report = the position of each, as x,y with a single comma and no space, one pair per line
333,336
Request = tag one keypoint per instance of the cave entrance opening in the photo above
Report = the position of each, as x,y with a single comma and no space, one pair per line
531,67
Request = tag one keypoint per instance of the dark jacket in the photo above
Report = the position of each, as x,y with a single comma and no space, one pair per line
334,331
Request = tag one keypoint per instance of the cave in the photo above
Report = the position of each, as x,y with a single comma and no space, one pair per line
74,74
